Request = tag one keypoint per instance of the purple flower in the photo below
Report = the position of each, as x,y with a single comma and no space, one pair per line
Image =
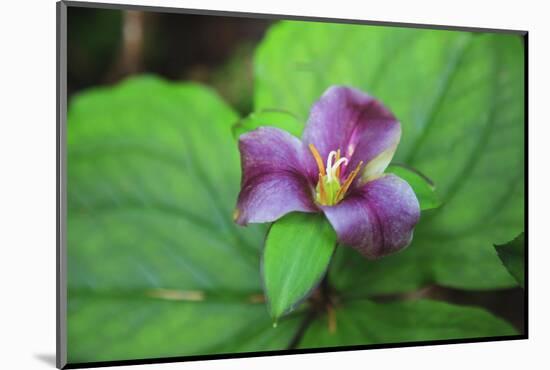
337,168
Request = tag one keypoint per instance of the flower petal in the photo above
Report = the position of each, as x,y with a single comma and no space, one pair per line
378,218
273,179
348,119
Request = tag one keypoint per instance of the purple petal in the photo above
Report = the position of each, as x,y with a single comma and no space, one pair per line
360,126
273,179
378,218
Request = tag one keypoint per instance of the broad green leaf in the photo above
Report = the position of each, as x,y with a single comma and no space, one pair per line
274,118
365,322
115,327
156,267
422,186
297,253
512,255
459,97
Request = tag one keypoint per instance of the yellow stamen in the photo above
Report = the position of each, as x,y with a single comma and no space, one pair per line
322,191
318,159
339,167
348,182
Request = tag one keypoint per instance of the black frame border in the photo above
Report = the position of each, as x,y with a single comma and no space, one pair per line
61,183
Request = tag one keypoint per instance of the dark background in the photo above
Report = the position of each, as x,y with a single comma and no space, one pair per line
213,50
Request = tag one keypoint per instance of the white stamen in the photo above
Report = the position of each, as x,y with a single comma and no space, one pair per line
337,164
329,164
331,168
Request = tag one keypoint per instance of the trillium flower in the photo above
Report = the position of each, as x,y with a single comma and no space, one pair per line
337,168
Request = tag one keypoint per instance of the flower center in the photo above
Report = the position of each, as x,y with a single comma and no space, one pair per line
332,184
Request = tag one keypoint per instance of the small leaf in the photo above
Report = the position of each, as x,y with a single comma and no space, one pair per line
422,186
297,252
512,255
269,117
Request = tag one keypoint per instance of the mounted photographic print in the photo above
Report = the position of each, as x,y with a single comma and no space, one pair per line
237,184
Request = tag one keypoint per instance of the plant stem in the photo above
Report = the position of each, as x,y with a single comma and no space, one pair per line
302,329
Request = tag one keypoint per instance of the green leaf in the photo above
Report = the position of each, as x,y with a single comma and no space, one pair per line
364,322
156,267
422,186
459,97
118,327
274,118
512,255
297,253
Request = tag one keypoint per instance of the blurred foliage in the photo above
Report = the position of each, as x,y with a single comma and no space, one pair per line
156,265
423,187
269,117
512,255
234,79
365,322
158,269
